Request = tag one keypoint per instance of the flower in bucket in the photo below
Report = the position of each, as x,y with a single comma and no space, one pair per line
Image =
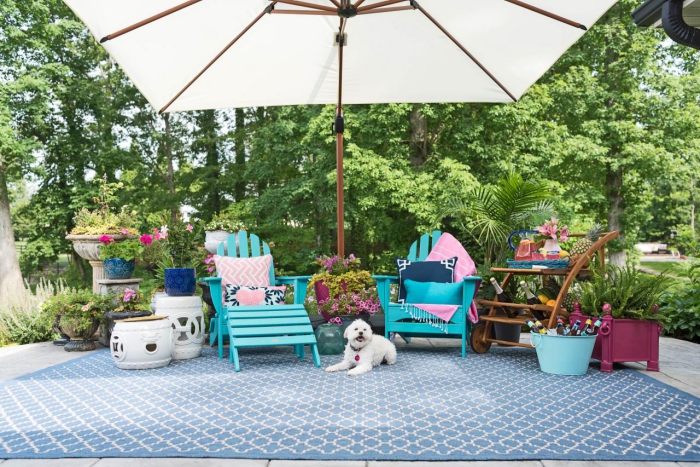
551,229
130,300
338,275
337,265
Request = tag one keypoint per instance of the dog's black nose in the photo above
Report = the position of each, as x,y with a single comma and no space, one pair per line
360,333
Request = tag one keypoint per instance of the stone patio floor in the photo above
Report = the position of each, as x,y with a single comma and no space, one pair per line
679,362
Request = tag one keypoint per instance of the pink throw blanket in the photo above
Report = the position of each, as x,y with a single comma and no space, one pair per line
448,247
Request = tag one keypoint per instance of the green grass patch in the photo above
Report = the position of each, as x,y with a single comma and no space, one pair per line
661,266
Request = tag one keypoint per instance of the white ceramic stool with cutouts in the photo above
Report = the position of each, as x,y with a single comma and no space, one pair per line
142,343
187,320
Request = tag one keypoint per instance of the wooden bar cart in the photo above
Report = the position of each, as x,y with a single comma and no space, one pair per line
481,335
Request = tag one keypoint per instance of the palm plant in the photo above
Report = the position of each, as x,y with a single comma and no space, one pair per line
490,213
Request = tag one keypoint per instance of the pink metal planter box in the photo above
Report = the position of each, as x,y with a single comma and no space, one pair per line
625,340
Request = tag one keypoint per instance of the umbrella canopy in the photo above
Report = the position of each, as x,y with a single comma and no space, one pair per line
205,54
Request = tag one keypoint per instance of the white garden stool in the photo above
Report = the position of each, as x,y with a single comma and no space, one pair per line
187,320
142,343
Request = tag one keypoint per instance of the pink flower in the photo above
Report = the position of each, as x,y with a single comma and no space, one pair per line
189,227
564,233
163,231
125,231
129,294
146,239
86,307
210,269
106,239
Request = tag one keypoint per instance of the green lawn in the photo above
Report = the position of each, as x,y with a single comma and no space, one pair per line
661,266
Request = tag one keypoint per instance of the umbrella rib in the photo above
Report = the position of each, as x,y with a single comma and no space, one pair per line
302,12
386,10
548,14
358,3
148,20
378,5
335,2
457,43
267,10
309,5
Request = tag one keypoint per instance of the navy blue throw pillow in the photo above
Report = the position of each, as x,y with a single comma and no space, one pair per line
424,271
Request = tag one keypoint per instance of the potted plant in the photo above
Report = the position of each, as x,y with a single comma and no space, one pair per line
632,320
119,258
79,313
339,286
218,229
90,225
181,257
131,305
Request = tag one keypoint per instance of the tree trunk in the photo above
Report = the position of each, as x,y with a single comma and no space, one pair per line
418,137
613,184
692,206
239,148
167,151
10,274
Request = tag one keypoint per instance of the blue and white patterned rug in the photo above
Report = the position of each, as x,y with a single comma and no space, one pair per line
431,405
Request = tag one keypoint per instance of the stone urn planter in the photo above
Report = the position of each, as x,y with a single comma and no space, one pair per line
213,238
80,336
88,247
625,340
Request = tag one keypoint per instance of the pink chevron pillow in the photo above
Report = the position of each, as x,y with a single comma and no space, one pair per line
244,271
448,247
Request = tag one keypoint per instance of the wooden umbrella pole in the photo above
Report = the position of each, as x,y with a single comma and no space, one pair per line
339,128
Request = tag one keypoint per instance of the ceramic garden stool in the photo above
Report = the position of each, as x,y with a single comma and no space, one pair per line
142,343
187,319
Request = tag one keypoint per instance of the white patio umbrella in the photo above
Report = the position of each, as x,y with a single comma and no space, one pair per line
206,54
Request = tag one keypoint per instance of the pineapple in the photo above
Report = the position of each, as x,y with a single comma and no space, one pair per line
582,246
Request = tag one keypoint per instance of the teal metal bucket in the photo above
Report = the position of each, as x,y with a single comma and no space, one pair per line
563,355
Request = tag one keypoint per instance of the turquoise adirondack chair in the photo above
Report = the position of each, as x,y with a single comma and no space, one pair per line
260,326
397,318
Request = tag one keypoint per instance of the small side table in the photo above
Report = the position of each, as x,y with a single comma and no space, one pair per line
187,319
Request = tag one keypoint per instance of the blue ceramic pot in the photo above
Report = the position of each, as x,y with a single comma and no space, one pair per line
117,268
180,282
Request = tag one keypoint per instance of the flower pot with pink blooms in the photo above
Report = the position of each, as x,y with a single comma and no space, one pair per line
131,305
181,255
626,299
119,258
344,292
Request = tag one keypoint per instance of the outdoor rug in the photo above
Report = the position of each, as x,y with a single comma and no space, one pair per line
431,405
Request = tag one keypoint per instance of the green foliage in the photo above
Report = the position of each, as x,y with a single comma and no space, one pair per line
491,213
225,221
630,292
80,304
22,320
130,300
103,220
126,249
683,306
181,244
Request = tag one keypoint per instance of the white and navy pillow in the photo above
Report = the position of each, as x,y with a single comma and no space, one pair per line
424,271
250,295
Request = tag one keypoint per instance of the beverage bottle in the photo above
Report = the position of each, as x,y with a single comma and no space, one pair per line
567,330
505,297
560,326
587,326
532,300
596,326
531,325
541,328
575,331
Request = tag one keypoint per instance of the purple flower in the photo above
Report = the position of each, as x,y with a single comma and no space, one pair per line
106,239
129,294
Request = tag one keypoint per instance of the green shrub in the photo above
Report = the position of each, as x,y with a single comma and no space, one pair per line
22,320
682,305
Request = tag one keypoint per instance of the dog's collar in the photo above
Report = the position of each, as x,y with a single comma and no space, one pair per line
354,349
357,357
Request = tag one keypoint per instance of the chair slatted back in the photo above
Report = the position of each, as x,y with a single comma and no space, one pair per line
242,245
426,242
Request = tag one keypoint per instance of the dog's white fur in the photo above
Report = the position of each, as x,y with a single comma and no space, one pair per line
372,350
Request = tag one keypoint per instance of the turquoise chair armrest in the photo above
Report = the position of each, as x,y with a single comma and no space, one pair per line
299,282
217,293
383,289
470,285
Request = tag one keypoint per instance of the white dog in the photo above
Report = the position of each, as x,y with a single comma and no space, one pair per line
364,350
